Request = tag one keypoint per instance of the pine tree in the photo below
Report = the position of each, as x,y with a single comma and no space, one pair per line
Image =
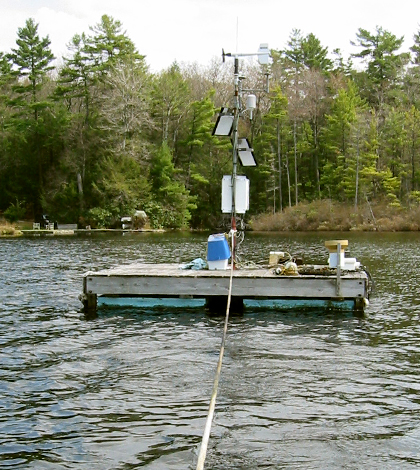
96,83
30,65
411,80
207,159
272,146
393,141
171,100
75,83
412,121
315,57
5,73
110,45
294,65
384,63
340,138
171,201
415,49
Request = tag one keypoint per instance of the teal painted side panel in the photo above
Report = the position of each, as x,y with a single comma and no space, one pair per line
150,302
281,304
277,304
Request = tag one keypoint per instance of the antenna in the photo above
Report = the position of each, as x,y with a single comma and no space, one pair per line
237,33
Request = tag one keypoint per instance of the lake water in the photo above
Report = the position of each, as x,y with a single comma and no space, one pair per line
131,388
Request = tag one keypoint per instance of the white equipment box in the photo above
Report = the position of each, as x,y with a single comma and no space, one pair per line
241,194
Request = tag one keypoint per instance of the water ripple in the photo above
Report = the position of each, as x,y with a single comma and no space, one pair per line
131,389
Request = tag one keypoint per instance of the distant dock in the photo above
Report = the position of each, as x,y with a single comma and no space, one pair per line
79,231
316,284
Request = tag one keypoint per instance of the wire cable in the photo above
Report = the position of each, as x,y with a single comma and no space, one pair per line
207,428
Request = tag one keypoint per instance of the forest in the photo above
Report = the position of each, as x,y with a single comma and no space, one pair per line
96,136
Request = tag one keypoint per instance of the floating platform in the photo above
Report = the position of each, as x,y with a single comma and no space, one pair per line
168,284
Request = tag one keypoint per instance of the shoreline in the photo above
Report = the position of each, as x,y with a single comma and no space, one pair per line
12,232
317,216
326,215
66,233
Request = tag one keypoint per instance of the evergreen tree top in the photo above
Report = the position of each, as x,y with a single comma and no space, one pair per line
32,56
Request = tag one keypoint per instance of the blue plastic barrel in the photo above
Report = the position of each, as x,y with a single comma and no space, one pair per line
217,247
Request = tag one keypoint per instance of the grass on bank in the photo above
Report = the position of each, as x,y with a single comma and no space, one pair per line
326,215
9,230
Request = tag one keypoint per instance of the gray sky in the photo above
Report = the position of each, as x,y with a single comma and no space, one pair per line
197,30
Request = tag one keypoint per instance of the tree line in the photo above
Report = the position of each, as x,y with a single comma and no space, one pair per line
99,136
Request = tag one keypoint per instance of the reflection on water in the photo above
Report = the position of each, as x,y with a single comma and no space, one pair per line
131,388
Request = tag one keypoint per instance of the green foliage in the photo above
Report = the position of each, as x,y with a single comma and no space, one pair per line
172,199
170,102
76,80
103,137
391,186
16,211
272,147
202,158
31,62
99,217
156,214
109,45
164,217
61,201
384,64
30,110
343,140
303,53
294,54
415,197
314,55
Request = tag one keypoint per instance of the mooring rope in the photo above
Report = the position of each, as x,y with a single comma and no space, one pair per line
207,428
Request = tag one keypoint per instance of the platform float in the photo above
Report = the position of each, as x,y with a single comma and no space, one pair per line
342,284
167,284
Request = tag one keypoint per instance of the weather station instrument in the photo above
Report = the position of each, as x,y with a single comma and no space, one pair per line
235,188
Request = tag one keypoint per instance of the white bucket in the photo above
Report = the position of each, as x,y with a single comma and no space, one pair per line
351,264
218,264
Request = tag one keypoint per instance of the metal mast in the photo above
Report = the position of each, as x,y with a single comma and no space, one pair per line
225,127
236,114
